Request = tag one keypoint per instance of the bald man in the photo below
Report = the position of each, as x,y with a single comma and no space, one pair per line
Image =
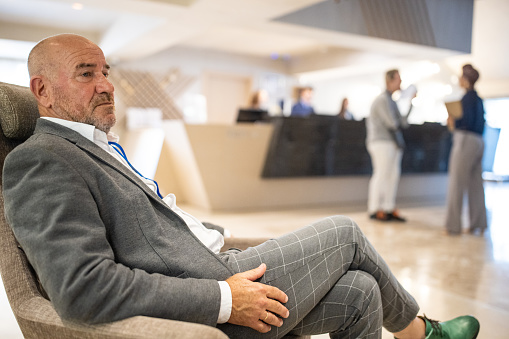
107,246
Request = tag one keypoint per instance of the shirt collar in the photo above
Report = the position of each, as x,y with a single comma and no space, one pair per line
93,134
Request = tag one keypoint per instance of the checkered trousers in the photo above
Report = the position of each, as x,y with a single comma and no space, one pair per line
335,281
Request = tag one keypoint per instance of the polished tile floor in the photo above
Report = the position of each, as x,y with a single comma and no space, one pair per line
448,276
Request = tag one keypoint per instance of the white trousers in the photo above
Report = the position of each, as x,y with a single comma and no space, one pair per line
383,185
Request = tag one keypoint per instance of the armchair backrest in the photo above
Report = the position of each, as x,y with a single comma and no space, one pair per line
18,115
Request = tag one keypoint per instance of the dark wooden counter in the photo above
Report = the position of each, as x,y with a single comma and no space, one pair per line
326,146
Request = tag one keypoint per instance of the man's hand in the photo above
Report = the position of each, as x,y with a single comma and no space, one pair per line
254,304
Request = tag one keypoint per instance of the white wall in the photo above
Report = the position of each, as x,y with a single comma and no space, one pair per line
265,73
435,83
14,72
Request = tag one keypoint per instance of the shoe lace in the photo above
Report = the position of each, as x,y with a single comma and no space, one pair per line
434,324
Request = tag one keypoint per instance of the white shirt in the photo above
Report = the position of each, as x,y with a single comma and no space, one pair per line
210,238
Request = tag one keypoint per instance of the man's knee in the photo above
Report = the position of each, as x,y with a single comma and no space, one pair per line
367,283
368,297
360,293
362,289
344,223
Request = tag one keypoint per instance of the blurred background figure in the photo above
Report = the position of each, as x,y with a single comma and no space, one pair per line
465,162
385,145
259,100
258,108
303,107
344,113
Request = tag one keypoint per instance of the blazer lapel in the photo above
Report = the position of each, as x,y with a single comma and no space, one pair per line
46,126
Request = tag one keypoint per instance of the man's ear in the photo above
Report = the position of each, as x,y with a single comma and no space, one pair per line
41,91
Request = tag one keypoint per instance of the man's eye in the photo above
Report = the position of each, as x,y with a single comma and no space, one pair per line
86,74
106,75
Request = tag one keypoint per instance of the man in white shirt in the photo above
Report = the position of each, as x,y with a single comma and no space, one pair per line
385,144
106,246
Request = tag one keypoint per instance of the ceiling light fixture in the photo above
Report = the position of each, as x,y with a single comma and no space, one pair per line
77,6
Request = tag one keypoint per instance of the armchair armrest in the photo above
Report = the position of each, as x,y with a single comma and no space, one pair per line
37,319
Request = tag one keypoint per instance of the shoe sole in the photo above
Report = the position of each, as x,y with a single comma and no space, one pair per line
475,335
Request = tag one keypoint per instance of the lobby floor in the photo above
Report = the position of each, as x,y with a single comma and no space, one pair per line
448,276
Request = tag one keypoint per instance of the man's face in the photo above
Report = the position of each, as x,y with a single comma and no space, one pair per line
307,95
395,83
81,89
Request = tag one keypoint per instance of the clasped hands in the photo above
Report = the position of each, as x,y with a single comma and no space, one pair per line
254,304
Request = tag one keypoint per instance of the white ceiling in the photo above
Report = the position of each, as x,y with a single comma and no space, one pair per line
131,29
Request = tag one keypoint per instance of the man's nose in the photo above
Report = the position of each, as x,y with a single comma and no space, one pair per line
104,85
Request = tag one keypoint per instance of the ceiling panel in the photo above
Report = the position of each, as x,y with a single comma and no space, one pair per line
128,29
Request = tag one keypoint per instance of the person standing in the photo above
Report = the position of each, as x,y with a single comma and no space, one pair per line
259,100
344,113
465,162
303,107
385,145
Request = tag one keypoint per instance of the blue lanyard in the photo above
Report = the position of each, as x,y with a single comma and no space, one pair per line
120,151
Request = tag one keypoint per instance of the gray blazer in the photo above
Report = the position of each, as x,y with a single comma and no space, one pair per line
384,119
104,246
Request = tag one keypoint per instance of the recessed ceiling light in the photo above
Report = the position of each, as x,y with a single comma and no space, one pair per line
77,6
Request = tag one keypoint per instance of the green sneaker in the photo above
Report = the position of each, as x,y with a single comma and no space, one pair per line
464,327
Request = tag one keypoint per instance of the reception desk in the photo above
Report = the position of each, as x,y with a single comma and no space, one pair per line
224,167
327,146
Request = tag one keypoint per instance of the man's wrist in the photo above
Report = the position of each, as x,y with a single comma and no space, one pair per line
225,309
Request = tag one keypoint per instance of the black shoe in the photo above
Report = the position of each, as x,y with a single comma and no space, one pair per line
394,215
380,215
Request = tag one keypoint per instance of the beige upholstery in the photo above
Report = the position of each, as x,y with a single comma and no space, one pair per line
34,313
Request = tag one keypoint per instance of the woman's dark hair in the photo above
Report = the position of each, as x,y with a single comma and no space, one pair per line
470,74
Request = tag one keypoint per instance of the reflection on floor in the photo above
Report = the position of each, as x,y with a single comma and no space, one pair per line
448,276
